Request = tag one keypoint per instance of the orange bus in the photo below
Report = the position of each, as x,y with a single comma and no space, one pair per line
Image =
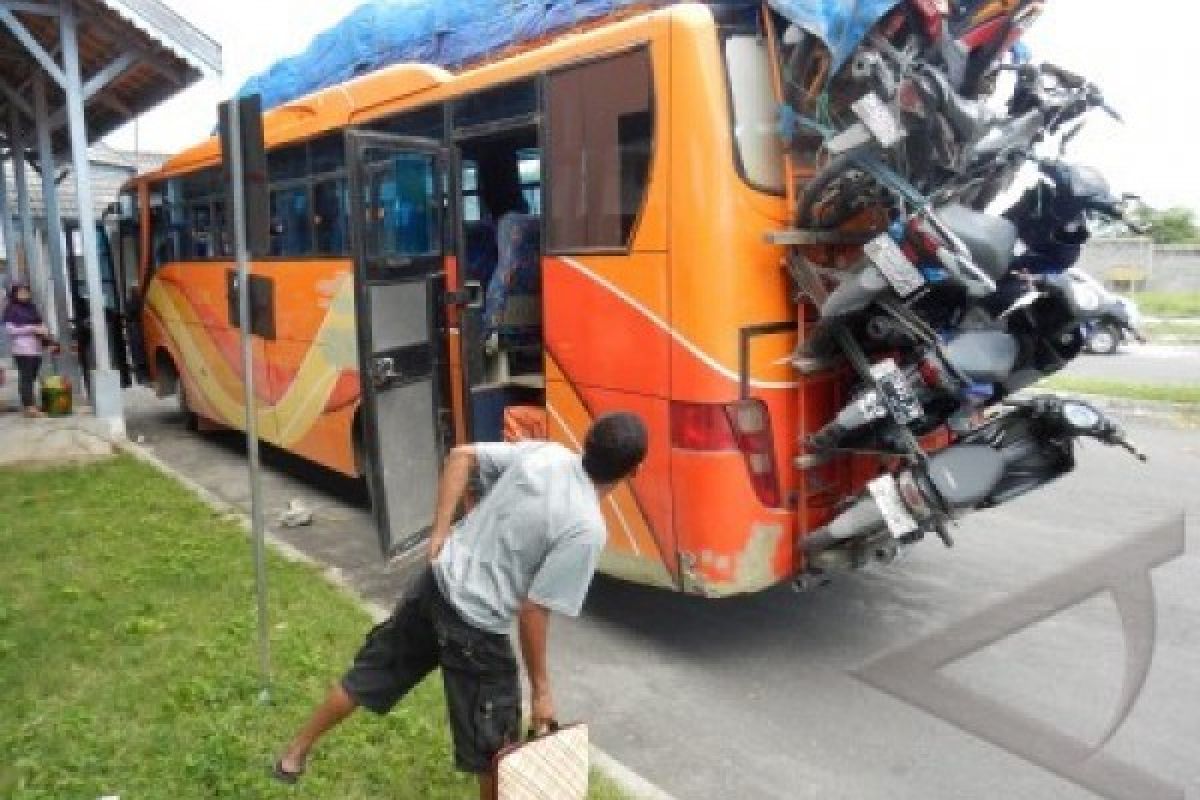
575,228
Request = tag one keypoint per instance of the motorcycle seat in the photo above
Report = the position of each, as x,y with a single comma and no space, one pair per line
991,240
984,356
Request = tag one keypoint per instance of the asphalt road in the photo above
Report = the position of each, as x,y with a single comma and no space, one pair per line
760,697
1142,363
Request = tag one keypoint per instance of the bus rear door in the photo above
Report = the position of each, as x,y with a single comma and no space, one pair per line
397,204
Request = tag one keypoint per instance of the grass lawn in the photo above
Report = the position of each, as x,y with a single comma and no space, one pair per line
1164,392
127,663
1169,304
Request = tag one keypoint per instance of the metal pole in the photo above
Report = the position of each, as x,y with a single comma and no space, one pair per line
236,169
106,383
6,223
57,266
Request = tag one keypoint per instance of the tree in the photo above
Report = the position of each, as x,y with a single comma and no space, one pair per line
1171,226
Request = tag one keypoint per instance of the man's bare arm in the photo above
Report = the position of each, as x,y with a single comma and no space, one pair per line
535,625
456,475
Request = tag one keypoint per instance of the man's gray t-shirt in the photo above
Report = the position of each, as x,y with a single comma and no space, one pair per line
537,533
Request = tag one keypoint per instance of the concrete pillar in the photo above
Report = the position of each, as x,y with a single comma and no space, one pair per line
106,382
11,245
56,261
17,146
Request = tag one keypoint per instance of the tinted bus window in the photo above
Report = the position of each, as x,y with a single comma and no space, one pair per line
424,123
328,154
506,102
291,229
329,217
288,163
601,144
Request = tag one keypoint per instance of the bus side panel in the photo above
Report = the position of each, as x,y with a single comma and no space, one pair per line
725,279
608,350
188,306
314,360
635,550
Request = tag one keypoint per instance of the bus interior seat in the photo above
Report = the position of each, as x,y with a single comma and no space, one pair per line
512,309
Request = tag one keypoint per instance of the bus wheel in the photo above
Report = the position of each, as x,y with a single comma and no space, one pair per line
191,420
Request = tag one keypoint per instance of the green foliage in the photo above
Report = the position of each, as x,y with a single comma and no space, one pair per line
1169,226
127,661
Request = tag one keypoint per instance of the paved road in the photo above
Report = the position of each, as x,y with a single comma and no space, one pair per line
1142,363
757,697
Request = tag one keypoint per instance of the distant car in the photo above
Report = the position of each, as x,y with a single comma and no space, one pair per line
1118,322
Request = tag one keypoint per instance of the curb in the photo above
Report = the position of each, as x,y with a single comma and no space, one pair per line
624,778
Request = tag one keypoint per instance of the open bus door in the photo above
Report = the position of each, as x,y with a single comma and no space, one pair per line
397,202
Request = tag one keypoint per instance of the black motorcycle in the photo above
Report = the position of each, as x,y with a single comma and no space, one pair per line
1025,446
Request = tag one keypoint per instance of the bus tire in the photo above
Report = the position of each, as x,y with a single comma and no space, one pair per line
191,420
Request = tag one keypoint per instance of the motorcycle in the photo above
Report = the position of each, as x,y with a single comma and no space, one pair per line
1035,322
1025,446
1042,333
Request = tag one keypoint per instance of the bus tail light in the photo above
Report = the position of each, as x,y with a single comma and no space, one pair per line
743,427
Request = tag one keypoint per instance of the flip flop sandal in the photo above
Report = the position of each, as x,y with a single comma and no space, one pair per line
284,776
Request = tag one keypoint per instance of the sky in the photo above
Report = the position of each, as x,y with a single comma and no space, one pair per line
1140,54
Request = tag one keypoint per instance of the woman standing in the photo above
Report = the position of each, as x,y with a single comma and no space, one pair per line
26,331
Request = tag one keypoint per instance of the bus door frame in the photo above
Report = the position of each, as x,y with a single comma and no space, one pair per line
402,364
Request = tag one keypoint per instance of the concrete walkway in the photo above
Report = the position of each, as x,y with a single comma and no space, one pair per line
25,442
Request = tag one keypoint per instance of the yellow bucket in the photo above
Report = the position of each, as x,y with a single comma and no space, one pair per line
56,396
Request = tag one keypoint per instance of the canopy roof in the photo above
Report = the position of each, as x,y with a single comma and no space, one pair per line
133,54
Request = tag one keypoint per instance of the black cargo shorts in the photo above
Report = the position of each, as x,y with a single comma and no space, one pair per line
479,672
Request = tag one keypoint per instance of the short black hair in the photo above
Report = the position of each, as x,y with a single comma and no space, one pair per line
615,446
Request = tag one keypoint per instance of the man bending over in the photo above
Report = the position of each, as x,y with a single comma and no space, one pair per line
528,548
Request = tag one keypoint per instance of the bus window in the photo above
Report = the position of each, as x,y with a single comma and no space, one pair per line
402,218
601,142
160,237
759,147
291,222
330,216
529,168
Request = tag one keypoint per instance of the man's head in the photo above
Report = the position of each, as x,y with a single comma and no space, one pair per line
614,447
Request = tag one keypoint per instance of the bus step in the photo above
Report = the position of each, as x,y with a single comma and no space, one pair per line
811,236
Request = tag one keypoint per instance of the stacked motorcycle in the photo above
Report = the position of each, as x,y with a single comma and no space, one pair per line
953,307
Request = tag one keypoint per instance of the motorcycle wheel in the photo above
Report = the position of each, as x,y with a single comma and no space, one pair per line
834,195
1104,340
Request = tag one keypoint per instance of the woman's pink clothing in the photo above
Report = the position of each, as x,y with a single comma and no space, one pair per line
24,340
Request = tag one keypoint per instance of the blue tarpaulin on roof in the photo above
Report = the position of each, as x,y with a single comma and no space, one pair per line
453,33
840,24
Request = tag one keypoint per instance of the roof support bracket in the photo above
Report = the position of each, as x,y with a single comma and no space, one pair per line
31,44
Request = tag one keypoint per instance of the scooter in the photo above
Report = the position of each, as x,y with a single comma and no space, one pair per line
1036,337
1025,446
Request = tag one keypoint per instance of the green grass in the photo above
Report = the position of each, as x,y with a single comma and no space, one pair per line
1169,304
1157,392
1177,330
127,663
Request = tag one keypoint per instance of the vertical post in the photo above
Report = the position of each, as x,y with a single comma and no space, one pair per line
234,156
17,146
6,224
106,383
57,266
